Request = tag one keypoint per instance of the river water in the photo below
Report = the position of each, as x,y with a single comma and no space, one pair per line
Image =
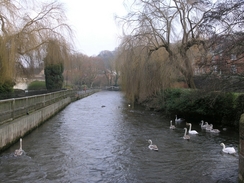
100,139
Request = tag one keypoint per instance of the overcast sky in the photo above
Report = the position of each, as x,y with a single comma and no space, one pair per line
94,24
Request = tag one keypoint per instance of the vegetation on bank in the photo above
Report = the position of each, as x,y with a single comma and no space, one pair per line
37,85
6,89
220,107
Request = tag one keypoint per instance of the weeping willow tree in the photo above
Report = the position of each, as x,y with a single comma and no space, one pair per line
7,62
25,31
8,49
143,76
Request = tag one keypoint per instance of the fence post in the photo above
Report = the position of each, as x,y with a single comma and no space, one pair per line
26,105
241,149
12,108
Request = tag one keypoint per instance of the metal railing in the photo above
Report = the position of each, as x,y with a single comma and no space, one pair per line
16,107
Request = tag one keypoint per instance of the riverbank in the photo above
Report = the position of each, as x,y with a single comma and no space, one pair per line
220,107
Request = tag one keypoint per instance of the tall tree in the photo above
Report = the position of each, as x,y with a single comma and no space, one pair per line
224,27
25,29
54,65
172,25
142,77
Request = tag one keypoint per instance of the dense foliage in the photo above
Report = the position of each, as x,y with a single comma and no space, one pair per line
53,76
6,89
37,85
217,106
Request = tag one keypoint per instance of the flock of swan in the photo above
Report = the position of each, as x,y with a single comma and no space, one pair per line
206,126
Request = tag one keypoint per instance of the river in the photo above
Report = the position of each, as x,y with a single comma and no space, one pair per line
99,139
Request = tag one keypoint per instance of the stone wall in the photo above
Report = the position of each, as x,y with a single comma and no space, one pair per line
11,131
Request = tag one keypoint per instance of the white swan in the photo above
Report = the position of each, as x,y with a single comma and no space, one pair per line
152,146
213,130
171,126
178,119
209,127
229,150
191,131
19,152
187,137
204,126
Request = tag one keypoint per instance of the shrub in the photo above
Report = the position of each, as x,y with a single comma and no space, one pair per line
6,89
53,76
215,105
37,85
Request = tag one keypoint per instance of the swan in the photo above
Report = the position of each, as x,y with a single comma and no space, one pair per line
152,147
187,137
229,150
191,131
178,119
19,152
213,130
209,127
171,126
204,126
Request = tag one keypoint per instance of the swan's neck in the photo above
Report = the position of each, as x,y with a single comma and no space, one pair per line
170,123
20,144
190,127
176,117
185,132
223,146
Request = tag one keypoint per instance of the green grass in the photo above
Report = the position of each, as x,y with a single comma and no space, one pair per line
37,85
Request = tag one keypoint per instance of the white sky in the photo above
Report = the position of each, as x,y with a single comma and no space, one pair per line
94,24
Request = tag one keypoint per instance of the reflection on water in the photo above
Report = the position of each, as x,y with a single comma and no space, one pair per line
100,139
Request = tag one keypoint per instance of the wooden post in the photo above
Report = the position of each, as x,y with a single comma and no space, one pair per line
12,108
241,149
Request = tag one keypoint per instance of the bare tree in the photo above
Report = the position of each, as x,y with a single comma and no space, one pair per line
223,29
83,70
224,26
172,25
93,67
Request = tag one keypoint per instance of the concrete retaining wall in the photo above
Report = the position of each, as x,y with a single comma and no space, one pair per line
14,108
11,131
